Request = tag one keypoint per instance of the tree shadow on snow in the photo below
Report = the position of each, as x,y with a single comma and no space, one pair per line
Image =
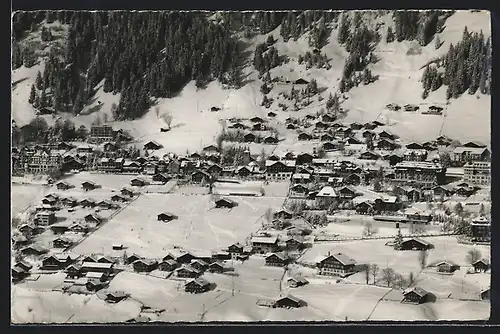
15,83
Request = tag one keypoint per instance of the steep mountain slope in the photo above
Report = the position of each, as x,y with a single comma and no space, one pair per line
194,126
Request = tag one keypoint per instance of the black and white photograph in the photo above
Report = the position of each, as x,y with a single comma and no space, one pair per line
250,166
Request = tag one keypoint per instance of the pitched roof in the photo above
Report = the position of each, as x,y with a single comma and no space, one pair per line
342,258
265,240
418,290
327,191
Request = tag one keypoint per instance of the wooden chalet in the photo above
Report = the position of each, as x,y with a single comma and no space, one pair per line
127,192
89,185
416,244
270,140
97,267
200,176
446,266
187,271
486,294
415,295
369,155
216,267
143,265
249,137
337,264
264,244
132,258
92,218
115,297
61,242
166,217
168,265
289,302
276,260
152,145
297,281
304,136
138,182
199,265
225,203
198,285
481,265
185,258
33,250
63,185
257,119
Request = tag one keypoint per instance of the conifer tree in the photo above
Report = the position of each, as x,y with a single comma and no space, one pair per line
390,35
32,95
39,81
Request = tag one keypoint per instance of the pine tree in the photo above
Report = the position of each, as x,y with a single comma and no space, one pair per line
343,29
390,35
79,101
39,81
398,240
32,95
437,44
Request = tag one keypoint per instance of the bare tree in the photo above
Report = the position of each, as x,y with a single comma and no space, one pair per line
388,276
422,259
365,268
411,278
369,230
105,118
97,120
374,270
473,255
167,117
268,214
157,112
114,110
399,281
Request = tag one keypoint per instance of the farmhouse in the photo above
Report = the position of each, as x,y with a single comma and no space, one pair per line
106,268
185,258
385,134
289,302
63,185
214,169
296,281
481,265
125,192
304,158
235,249
446,266
481,229
327,192
198,285
161,177
264,244
132,258
115,297
291,126
485,294
369,155
187,271
88,202
225,203
89,185
92,218
416,244
336,265
276,260
200,176
346,193
294,243
166,217
57,261
387,204
210,149
138,182
105,204
415,295
199,265
256,119
343,132
249,137
415,155
143,265
387,144
283,214
152,145
23,265
168,265
305,136
299,190
61,242
216,267
150,168
411,107
270,140
279,170
79,228
18,274
364,208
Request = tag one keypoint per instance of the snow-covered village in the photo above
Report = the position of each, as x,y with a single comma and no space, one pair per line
250,166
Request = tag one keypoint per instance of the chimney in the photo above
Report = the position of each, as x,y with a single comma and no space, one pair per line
328,253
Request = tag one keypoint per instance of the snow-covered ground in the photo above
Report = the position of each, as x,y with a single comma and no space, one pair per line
199,226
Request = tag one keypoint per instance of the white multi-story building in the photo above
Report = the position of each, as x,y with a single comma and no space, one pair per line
478,172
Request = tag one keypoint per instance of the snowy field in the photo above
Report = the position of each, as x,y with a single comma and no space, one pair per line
199,226
403,262
34,306
22,196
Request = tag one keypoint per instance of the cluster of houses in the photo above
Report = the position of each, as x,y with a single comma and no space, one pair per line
432,110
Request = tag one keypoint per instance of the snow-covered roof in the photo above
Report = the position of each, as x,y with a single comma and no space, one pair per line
327,192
